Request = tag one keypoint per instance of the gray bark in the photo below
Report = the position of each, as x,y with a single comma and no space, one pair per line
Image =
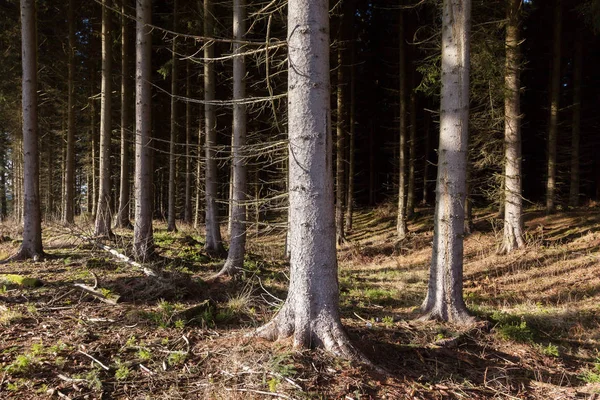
143,239
340,176
187,201
237,244
69,200
351,138
426,161
103,214
310,314
554,107
513,203
214,244
126,89
444,299
576,128
401,227
410,195
172,196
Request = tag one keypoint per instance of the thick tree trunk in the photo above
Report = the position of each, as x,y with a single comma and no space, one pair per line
513,204
574,189
554,108
31,247
69,200
310,314
410,196
143,238
401,227
237,245
126,89
187,202
214,244
171,227
352,140
103,215
444,299
340,176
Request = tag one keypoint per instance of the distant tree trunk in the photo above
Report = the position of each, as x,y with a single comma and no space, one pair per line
199,215
237,245
410,199
574,189
214,244
352,139
171,227
94,145
371,165
31,247
3,204
310,314
126,97
68,214
444,299
143,238
401,227
513,204
187,203
554,108
103,215
340,190
426,160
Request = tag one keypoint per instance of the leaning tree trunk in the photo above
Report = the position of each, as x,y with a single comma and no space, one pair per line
310,314
340,176
237,245
214,244
103,215
126,89
31,247
401,227
171,227
554,106
143,239
444,299
68,214
513,204
574,189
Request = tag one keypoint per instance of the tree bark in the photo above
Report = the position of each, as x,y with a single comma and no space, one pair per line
143,238
554,108
237,245
352,140
31,247
103,215
444,299
426,160
214,244
171,227
187,202
513,203
401,227
410,196
340,176
310,313
69,200
126,98
576,128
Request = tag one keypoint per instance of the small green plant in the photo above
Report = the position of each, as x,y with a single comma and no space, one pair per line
9,316
273,383
93,379
131,341
21,364
122,372
283,365
518,332
144,354
551,350
176,358
37,349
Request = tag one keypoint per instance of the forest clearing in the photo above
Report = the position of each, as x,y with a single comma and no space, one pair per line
538,335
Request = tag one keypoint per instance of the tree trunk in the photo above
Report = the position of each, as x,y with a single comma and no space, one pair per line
310,314
410,199
171,227
103,215
68,214
187,202
3,204
352,139
143,238
31,247
401,227
554,108
237,245
371,165
199,214
126,89
513,204
574,189
340,190
444,299
426,160
214,244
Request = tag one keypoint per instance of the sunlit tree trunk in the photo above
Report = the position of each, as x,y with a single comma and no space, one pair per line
174,115
554,108
401,227
68,201
352,140
340,176
444,299
425,194
576,128
143,238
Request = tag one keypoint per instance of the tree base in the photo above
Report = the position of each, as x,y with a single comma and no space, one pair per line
458,316
24,254
124,225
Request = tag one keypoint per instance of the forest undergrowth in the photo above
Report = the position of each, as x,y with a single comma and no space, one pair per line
183,336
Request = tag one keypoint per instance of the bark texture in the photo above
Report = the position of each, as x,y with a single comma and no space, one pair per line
576,128
143,239
401,227
187,200
340,176
554,107
69,200
352,140
444,299
513,203
171,227
310,314
410,195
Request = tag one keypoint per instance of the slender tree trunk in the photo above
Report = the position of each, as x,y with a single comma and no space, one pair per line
513,204
126,100
143,238
3,204
199,214
68,214
103,215
340,190
31,247
187,206
444,299
410,199
401,227
237,246
171,227
371,165
214,244
554,107
574,189
426,160
94,144
352,139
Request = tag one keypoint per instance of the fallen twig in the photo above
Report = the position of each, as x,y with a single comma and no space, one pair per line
95,360
274,394
98,294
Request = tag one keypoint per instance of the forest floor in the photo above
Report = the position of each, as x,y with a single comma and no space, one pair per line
185,338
